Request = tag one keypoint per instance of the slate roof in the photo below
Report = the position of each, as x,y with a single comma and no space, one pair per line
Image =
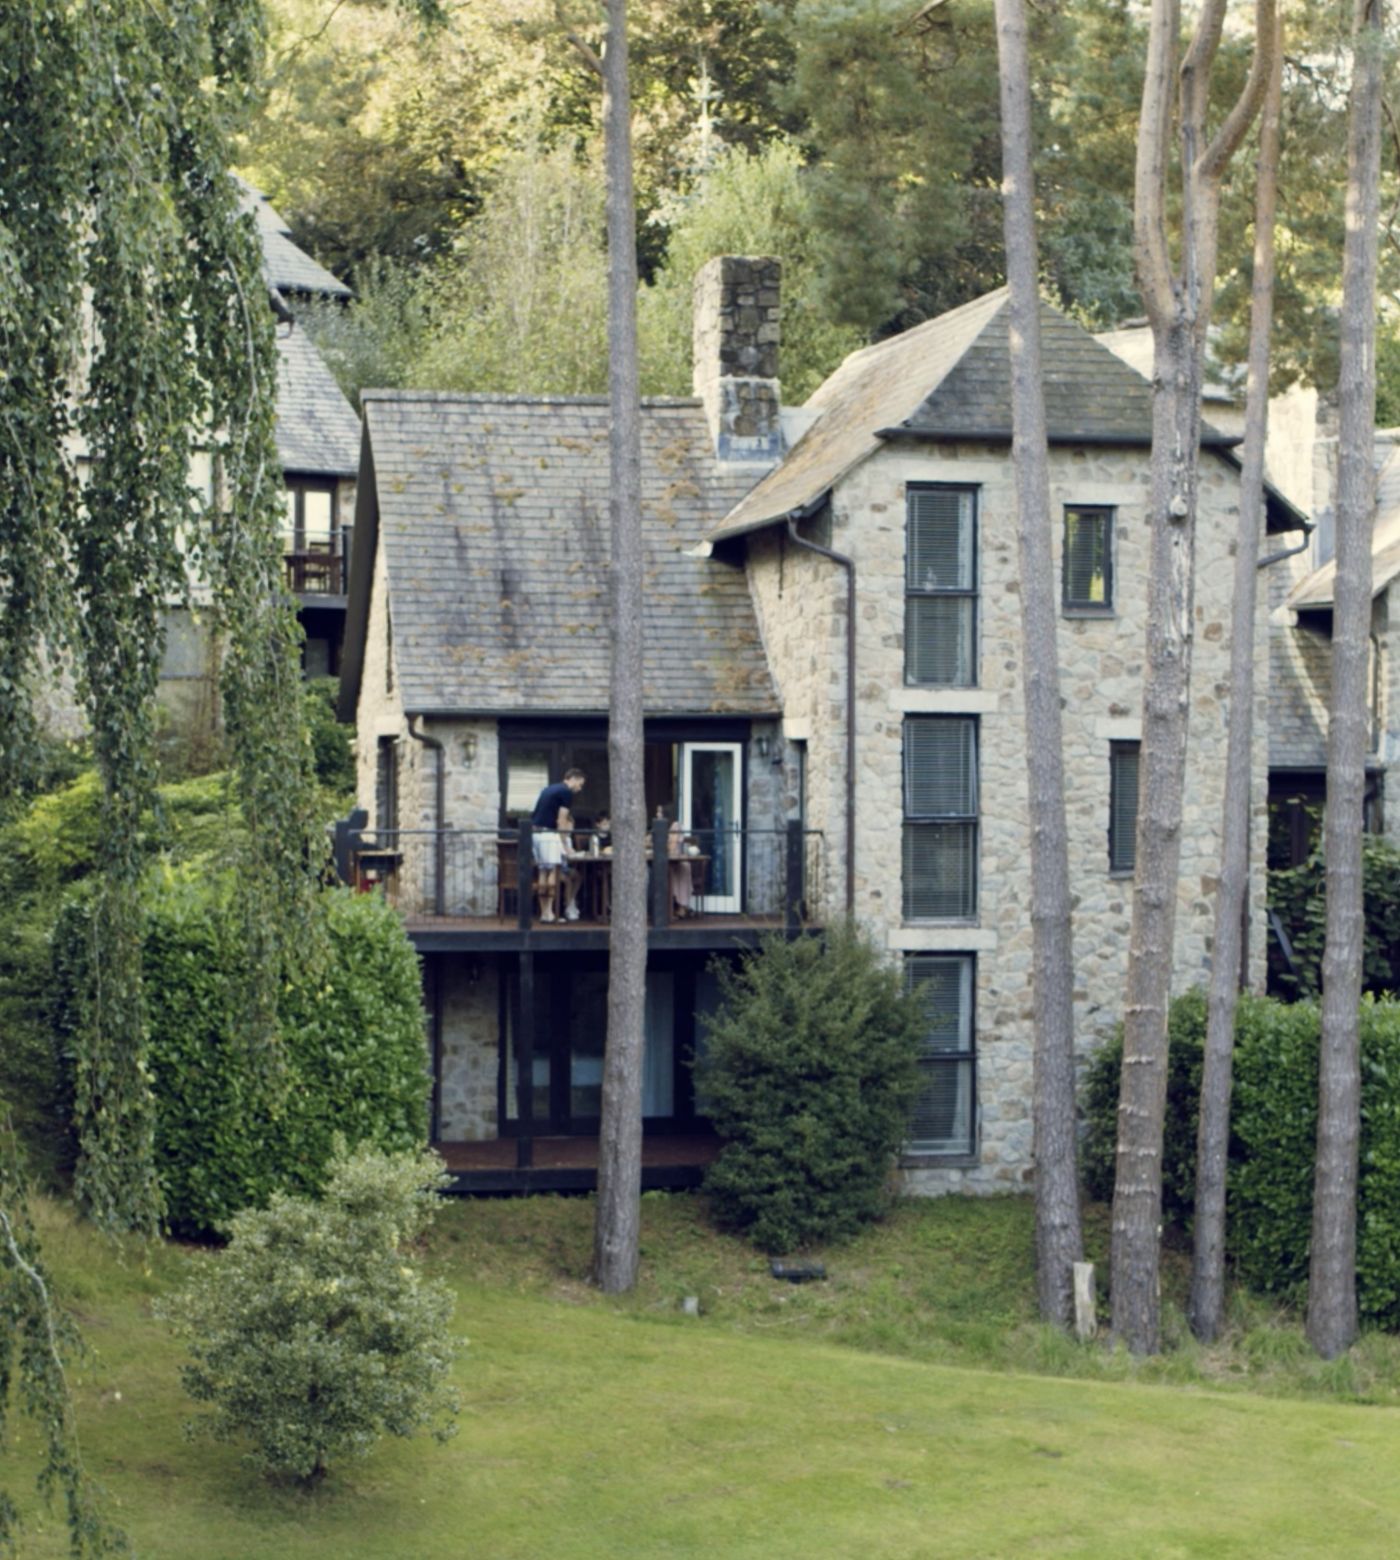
1224,385
951,379
493,512
318,432
1315,591
287,268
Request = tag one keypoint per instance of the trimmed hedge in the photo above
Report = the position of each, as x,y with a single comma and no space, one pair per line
353,1043
1273,1137
809,1072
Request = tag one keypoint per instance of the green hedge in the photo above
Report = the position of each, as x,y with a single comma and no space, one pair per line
1299,897
808,1072
353,1041
1273,1134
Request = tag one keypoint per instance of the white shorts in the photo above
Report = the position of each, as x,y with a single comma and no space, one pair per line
549,848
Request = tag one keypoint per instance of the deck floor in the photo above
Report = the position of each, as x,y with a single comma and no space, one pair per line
508,923
579,1153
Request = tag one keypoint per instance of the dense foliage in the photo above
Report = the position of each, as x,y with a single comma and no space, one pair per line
350,1030
313,1333
808,1072
393,152
1273,1136
1298,895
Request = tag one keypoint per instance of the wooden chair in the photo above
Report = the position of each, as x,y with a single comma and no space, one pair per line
507,878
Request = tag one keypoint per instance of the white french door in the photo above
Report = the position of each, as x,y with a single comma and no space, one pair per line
711,812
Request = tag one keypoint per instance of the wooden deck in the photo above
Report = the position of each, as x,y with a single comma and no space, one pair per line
563,1164
447,933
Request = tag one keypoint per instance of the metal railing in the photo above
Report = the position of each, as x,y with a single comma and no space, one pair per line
774,875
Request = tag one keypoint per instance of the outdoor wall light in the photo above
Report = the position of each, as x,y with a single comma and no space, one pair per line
763,747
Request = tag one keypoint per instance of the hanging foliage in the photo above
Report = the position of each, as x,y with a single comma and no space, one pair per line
138,469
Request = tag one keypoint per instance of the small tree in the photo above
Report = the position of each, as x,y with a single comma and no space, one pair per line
809,1072
313,1334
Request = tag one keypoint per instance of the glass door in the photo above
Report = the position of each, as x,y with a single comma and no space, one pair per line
710,814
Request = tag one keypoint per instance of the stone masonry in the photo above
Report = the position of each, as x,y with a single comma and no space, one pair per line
801,600
735,364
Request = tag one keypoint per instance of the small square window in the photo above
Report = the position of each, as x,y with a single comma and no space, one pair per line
1122,805
1088,560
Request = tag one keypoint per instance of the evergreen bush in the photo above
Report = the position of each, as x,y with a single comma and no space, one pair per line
313,1334
1298,895
352,1043
808,1072
1273,1139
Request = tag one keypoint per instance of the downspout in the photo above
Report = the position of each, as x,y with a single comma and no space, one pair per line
1288,552
848,564
439,808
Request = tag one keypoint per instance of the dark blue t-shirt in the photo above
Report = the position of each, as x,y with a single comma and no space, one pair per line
551,799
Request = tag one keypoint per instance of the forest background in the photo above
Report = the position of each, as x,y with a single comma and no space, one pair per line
453,175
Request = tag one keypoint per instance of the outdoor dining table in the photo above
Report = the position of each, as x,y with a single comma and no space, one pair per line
596,890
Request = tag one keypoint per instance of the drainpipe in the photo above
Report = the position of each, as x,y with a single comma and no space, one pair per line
439,808
848,564
1288,552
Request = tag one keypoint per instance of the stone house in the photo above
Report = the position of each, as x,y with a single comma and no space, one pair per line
833,712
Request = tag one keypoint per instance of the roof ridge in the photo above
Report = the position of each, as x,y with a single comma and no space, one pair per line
513,398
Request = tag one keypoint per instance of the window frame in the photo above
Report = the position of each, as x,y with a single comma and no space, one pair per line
921,1152
929,820
1116,750
1089,609
971,593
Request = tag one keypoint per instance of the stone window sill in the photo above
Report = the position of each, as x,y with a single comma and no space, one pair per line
1088,612
930,1161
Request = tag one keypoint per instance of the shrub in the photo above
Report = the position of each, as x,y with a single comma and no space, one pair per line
331,753
313,1333
352,1044
1298,895
809,1073
1273,1139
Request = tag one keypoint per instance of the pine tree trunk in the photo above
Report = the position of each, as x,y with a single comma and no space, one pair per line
1178,304
1332,1317
616,1240
1207,1302
1059,1244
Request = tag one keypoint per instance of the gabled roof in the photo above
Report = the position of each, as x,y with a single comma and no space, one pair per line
493,514
287,268
950,379
1314,593
318,432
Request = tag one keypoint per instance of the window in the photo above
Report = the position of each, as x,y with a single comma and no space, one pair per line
940,587
1088,561
940,818
1122,805
943,1118
386,786
314,554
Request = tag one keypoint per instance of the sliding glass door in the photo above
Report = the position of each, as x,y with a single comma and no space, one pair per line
711,815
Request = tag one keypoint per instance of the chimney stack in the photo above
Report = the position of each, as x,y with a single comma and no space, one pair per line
736,342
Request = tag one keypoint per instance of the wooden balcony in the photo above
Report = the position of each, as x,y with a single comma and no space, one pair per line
670,1162
461,889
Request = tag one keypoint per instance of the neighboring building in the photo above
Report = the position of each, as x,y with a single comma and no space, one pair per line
845,644
318,443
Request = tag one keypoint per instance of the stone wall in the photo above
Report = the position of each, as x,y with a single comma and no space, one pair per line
469,995
799,603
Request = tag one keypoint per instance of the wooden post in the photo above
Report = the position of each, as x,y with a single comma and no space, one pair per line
525,1061
660,873
1086,1310
796,872
525,876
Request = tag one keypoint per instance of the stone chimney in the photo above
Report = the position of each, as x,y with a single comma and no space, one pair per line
735,369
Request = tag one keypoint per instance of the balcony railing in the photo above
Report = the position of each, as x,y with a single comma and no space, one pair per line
314,573
769,875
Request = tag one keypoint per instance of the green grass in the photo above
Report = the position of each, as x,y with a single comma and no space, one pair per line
828,1420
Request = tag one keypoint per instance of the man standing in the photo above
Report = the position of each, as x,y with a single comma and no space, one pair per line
553,801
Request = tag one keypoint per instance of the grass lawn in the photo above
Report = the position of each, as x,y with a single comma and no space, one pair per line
844,1418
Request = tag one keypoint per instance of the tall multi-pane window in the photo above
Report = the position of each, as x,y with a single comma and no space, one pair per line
944,1120
940,818
940,587
1122,805
1088,560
